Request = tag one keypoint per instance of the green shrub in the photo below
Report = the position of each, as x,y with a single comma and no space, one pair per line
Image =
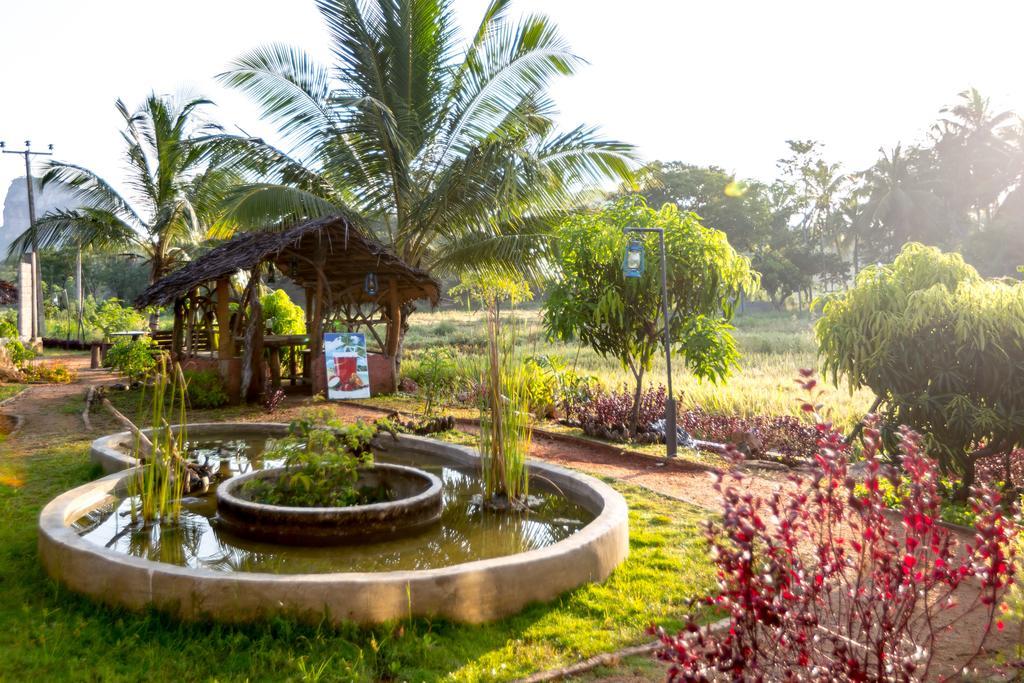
8,325
19,353
281,315
110,316
205,389
132,357
322,461
438,375
942,349
48,373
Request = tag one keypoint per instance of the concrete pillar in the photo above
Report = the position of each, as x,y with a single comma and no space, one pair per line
26,298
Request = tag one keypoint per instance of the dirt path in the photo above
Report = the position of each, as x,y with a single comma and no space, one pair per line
45,411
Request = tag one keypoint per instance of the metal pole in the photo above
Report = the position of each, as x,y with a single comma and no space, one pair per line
671,445
670,402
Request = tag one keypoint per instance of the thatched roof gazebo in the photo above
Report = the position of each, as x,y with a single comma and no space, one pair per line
351,282
8,294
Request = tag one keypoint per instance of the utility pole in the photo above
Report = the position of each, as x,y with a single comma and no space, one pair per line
38,317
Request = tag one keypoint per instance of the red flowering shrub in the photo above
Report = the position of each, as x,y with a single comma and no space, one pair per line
607,413
788,436
1005,469
822,582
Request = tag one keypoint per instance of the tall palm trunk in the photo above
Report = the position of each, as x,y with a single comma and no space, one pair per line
79,292
156,272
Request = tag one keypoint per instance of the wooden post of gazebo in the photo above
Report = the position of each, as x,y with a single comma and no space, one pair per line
178,331
230,367
394,330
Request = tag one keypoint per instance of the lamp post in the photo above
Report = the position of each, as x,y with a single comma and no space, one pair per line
633,267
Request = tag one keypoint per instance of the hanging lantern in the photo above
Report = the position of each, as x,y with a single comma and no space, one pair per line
271,273
293,271
370,284
633,262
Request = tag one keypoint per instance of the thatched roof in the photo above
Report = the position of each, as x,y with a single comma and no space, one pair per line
348,256
8,294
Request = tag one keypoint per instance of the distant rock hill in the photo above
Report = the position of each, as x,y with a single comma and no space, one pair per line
15,215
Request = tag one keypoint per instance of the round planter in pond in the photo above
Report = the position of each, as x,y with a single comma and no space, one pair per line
416,504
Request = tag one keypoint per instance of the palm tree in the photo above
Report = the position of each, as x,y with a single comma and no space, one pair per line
176,186
975,156
900,204
447,152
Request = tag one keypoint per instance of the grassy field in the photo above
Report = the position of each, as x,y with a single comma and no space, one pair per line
49,634
773,346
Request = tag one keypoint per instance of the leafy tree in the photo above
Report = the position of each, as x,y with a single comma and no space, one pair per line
900,205
976,157
283,316
742,209
176,187
449,151
941,347
780,276
818,192
997,250
619,317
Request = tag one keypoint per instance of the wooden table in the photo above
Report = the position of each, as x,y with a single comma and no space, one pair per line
274,343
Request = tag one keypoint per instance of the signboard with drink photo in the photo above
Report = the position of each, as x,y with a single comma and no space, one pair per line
348,375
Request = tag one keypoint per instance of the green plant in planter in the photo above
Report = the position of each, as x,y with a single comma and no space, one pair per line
322,461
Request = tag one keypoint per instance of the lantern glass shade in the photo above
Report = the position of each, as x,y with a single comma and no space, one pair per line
294,268
633,263
370,284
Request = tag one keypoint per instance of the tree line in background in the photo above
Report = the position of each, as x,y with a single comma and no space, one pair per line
815,226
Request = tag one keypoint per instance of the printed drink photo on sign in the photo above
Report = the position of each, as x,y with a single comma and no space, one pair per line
348,375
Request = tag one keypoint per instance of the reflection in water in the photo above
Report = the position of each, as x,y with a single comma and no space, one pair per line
465,533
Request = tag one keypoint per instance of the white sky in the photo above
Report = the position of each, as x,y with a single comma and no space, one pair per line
704,82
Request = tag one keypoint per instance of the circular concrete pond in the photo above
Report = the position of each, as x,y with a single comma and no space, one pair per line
415,504
452,585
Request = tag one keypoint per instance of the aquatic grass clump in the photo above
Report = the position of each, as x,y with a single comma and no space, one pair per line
505,434
505,381
155,493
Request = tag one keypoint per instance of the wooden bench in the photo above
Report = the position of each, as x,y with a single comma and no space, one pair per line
201,341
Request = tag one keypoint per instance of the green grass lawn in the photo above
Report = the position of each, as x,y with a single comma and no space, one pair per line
774,346
49,634
8,390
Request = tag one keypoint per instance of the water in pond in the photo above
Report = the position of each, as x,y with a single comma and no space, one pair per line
464,534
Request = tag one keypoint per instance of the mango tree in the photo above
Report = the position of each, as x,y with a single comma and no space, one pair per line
941,347
619,317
